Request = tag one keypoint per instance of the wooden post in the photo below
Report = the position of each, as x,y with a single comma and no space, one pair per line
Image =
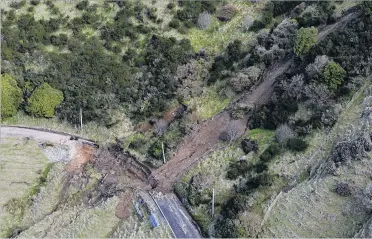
212,202
162,147
81,118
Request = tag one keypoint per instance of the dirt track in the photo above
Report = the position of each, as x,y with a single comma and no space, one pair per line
204,139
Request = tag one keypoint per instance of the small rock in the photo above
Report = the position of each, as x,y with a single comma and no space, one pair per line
242,158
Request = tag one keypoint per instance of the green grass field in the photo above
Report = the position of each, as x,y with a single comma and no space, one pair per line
21,165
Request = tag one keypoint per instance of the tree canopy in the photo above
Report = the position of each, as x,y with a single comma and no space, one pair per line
44,101
305,40
11,96
333,74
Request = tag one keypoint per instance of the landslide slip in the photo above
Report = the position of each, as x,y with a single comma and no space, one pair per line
204,138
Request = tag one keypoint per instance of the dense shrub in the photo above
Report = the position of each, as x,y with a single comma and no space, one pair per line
174,23
244,79
156,150
284,34
82,5
238,168
171,5
44,101
224,62
333,75
352,148
315,70
190,10
316,14
17,4
234,206
192,76
198,190
204,20
137,143
366,197
270,152
261,180
342,189
283,134
280,7
265,18
297,144
11,96
249,145
35,2
305,40
226,228
227,12
247,23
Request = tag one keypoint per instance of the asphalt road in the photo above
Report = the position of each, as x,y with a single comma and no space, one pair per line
39,134
177,217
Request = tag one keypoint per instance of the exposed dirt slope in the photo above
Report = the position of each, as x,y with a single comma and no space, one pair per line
204,139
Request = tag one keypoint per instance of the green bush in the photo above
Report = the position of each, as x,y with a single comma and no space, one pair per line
17,4
181,189
171,5
270,152
238,168
227,12
174,23
11,96
333,75
225,228
156,150
44,101
137,143
296,144
82,5
305,39
249,145
35,2
265,18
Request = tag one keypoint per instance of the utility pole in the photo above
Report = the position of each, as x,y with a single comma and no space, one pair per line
81,118
212,202
162,147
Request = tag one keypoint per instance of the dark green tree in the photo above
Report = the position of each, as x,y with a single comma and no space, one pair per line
44,101
11,96
305,39
333,75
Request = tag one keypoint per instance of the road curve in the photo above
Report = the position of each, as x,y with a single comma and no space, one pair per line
41,134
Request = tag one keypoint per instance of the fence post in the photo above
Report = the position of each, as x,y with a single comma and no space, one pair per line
212,202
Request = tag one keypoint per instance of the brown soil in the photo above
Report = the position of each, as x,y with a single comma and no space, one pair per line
205,137
83,156
142,128
168,117
123,208
202,141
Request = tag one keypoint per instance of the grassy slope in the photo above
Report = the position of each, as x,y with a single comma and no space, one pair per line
47,215
311,209
219,34
21,165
